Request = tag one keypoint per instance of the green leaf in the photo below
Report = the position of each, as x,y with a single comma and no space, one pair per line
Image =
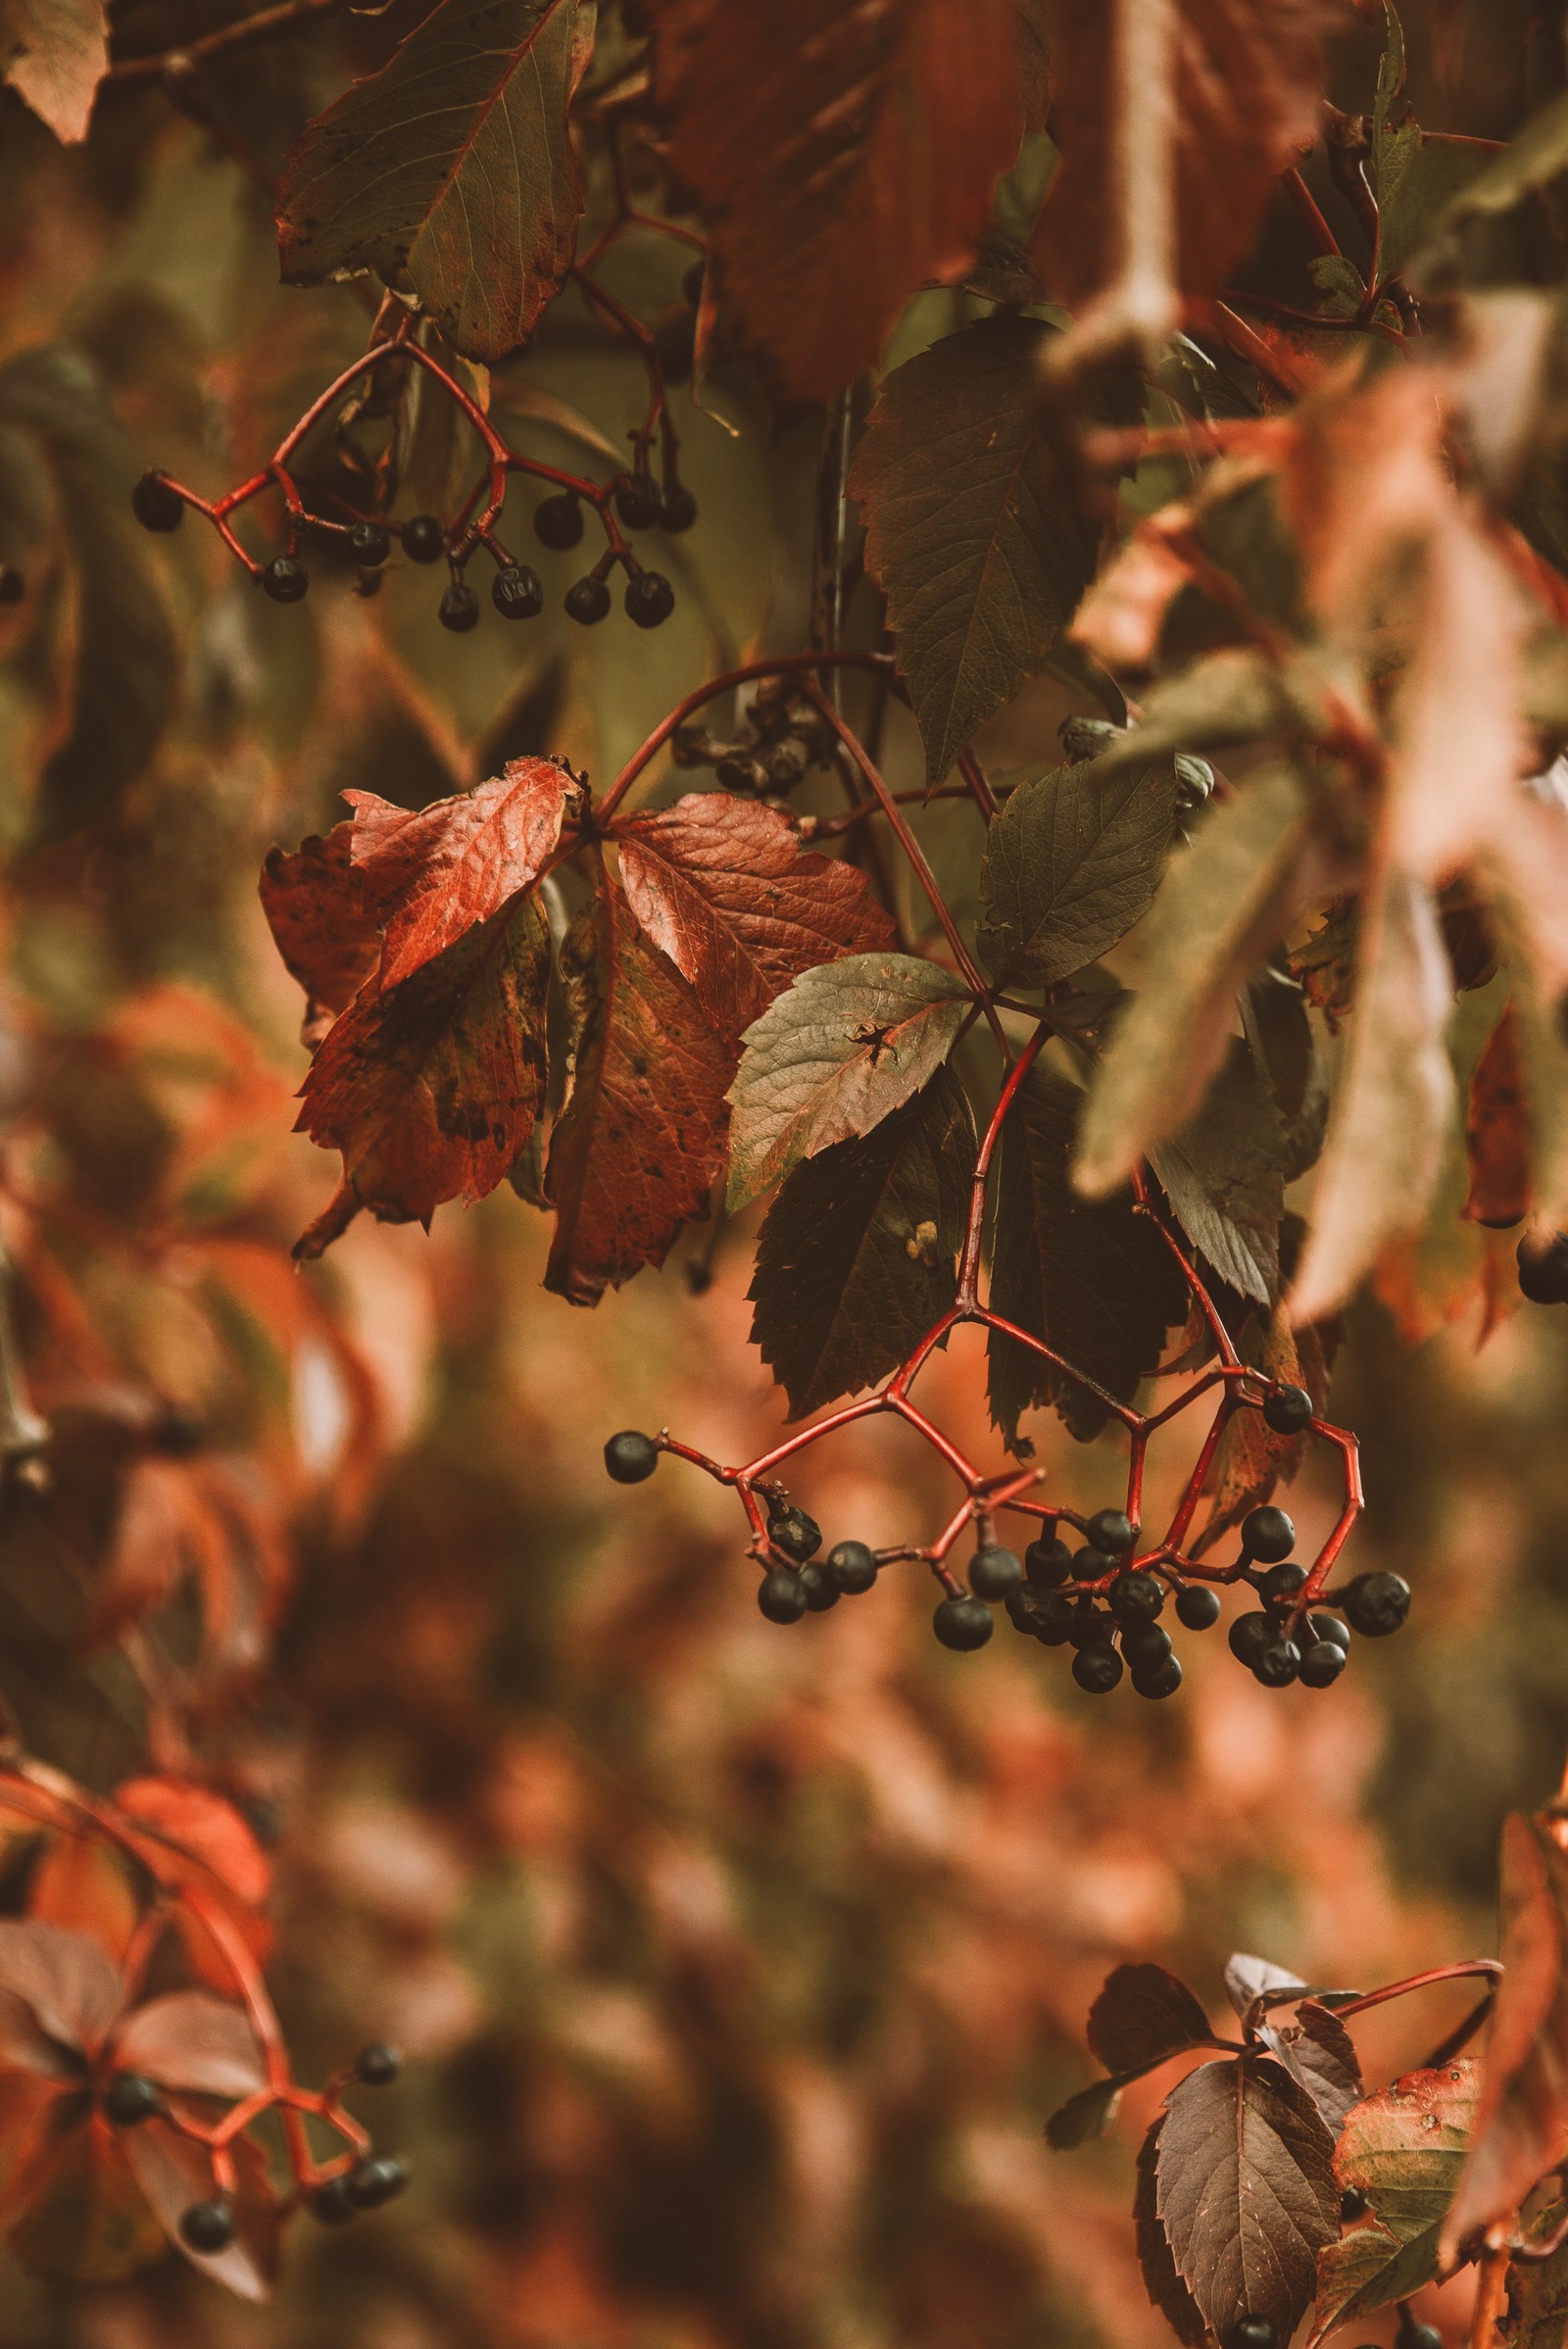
1419,172
1224,1175
1092,1279
857,1258
451,171
970,530
1071,862
832,1057
1404,2150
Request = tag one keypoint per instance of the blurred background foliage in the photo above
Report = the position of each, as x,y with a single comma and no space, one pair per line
737,1967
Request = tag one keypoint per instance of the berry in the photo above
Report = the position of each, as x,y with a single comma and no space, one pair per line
1096,1669
558,521
131,2099
1248,1635
1158,1679
691,285
1543,1270
375,2181
459,609
13,586
1329,1627
369,543
424,539
1377,1605
1278,1663
1267,1534
286,579
648,599
1145,1644
155,505
781,1596
677,508
1411,2335
1288,1410
1198,1607
637,502
739,771
962,1623
798,1535
207,2226
329,2202
517,592
821,1592
587,600
1091,1626
1111,1530
1353,2205
851,1566
378,2065
1322,1663
1046,1613
1047,1564
1251,2332
1135,1598
1282,1582
994,1572
1093,1565
630,1457
369,583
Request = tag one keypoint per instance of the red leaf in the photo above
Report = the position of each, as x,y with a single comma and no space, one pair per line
164,1529
193,2041
640,1140
315,905
66,1981
85,2218
82,1884
844,156
1497,1132
193,1822
172,2172
722,886
430,875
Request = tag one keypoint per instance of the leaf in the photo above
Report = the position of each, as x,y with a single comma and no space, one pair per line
1072,863
85,2218
857,1258
1537,156
1164,2287
1383,1152
431,875
1278,1028
1402,2148
972,530
1520,2125
1249,1978
1224,1175
67,1981
192,1821
1233,696
55,53
723,888
1497,1131
1538,2290
1320,2054
1086,2114
430,1089
1245,2191
640,1142
173,2173
1142,2015
193,2041
832,1057
1252,1459
1418,171
315,905
1092,1279
1253,864
451,171
844,156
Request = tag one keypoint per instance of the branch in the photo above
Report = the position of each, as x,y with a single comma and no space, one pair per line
189,55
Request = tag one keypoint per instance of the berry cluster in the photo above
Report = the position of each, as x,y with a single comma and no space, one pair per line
785,736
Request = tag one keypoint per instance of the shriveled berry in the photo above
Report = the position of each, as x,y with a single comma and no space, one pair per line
155,505
781,1596
517,592
1145,1643
375,2181
1329,1627
648,599
131,2099
558,521
798,1535
369,543
1278,1663
378,2065
1251,2332
286,579
1267,1534
1288,1410
1047,1564
962,1623
1158,1679
459,609
1198,1607
1113,1531
424,539
1377,1605
1135,1598
13,586
821,1592
1096,1669
1091,1627
629,1456
207,2226
329,2202
1322,1663
677,509
853,1566
587,600
637,502
1248,1635
1282,1582
1543,1269
994,1572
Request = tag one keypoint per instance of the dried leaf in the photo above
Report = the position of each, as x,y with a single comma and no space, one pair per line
1142,2015
1071,862
315,904
55,53
1497,1131
1404,2150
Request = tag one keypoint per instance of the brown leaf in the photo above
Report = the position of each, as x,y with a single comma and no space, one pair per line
1142,2015
315,905
1497,1132
1165,2288
55,53
1248,1980
1319,2053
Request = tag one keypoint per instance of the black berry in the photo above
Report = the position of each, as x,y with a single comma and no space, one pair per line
739,771
375,2181
1329,1627
821,1592
587,600
1267,1534
1158,1679
13,586
994,1572
1135,1598
1248,1635
368,584
677,509
286,579
207,2226
1353,2204
781,1596
1198,1607
459,609
558,521
851,1565
962,1623
1111,1530
1543,1270
1047,1564
1377,1605
1322,1663
1278,1663
1251,2332
650,599
131,2099
1282,1582
1413,2335
1092,1565
1049,1614
629,1456
424,539
378,2065
637,502
329,2202
1096,1669
1091,1626
155,505
369,543
1145,1643
517,592
1288,1410
798,1535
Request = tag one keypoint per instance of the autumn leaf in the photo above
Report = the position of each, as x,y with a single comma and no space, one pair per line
639,1144
451,171
1086,2114
725,889
1252,1458
1142,2015
844,158
193,2043
1402,2148
1320,2054
1497,1131
67,1983
191,1821
172,2172
1419,172
970,527
83,2217
856,1259
833,1055
1253,1984
315,904
1071,862
55,53
1224,1175
1165,2288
